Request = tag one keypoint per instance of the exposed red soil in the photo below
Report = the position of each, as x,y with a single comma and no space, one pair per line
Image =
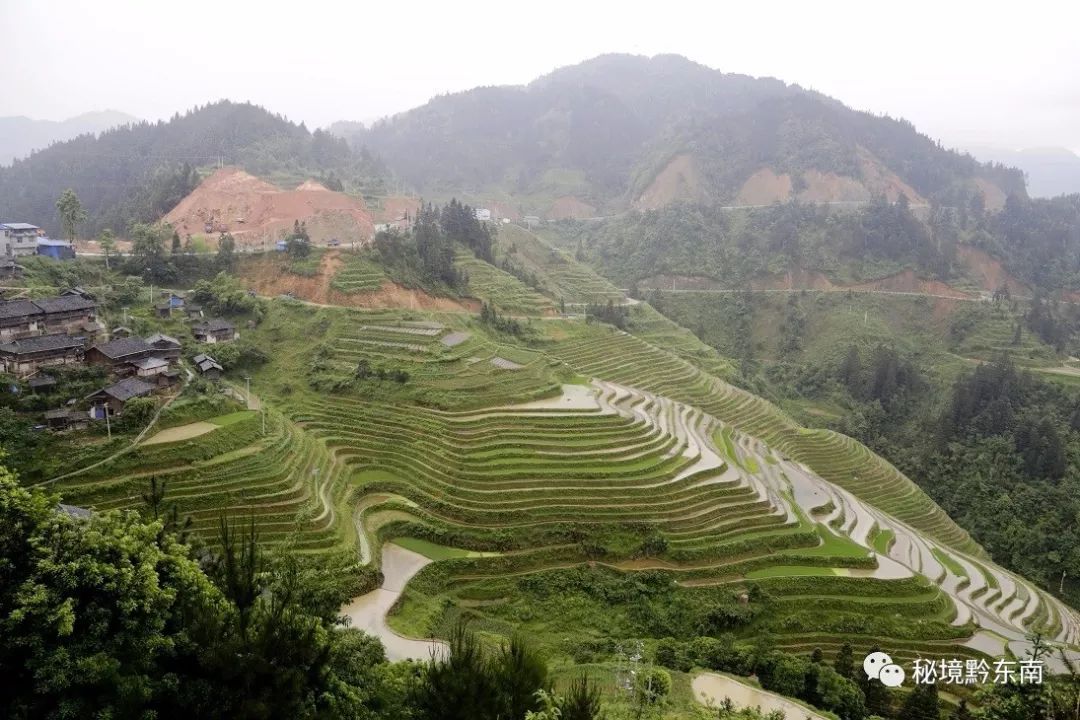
394,207
764,187
679,181
570,208
989,271
267,276
878,179
993,196
256,212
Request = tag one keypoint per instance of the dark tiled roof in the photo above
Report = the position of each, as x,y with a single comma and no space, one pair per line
164,339
213,325
149,363
19,226
41,343
128,388
122,347
65,303
42,381
18,308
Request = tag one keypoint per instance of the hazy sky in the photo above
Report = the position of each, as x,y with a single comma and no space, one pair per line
965,72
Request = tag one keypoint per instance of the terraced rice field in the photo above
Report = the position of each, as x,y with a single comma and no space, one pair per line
561,275
501,289
534,480
467,367
357,275
285,480
513,474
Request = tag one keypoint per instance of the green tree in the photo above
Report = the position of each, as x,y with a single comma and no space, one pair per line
845,661
582,700
107,241
922,703
460,685
71,212
518,673
226,253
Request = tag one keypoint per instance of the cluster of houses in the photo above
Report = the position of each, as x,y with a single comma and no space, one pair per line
19,239
64,330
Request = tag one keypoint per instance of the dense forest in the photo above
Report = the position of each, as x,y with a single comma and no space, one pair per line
1038,241
138,172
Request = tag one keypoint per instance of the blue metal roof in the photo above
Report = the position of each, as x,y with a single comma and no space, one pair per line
49,242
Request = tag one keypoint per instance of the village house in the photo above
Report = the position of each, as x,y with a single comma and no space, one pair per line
55,249
19,239
214,331
208,367
65,417
150,367
9,268
167,346
24,356
63,314
113,398
119,352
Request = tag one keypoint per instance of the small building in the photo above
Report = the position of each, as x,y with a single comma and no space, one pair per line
113,398
120,331
215,330
531,220
193,311
65,417
281,245
149,367
120,351
207,366
163,310
19,239
168,378
80,292
25,356
55,249
9,268
482,214
166,346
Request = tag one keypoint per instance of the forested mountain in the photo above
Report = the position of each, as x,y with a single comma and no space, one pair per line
138,172
19,135
623,130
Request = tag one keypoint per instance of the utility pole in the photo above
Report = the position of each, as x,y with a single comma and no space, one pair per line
1061,588
108,425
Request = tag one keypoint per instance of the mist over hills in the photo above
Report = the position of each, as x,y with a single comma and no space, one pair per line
19,135
624,131
1050,171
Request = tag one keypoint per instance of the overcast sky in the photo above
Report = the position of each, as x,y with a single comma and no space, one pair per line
964,72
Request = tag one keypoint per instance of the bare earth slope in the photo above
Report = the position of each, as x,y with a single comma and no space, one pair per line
256,212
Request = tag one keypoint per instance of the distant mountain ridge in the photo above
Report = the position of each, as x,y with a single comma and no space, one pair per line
1051,171
139,172
622,131
19,136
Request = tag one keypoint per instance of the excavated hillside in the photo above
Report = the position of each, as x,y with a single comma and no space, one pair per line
256,212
